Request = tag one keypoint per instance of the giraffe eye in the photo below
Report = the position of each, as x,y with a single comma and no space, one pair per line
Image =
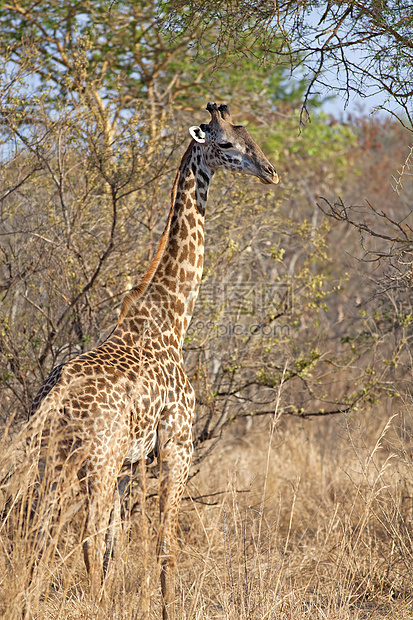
225,145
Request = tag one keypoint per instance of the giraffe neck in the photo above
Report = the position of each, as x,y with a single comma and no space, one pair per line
164,299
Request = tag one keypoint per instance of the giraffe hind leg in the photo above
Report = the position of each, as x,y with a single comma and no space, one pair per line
100,532
113,533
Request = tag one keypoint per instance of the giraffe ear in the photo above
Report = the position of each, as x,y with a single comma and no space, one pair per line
197,134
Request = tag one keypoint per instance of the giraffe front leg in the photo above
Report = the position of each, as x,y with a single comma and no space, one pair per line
175,452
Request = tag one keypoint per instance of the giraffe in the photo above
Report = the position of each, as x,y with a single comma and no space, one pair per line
130,396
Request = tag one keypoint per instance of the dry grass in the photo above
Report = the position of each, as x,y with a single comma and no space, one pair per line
311,521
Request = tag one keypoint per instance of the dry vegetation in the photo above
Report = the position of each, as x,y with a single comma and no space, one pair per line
285,517
289,520
300,500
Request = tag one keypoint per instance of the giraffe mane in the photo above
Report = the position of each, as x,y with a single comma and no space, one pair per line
146,279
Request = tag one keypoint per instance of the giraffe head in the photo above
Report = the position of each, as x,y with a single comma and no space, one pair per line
230,146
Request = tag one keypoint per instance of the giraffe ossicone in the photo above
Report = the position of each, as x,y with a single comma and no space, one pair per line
131,395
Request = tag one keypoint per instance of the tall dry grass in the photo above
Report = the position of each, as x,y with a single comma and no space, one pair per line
293,520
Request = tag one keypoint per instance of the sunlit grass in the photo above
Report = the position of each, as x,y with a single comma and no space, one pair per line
311,522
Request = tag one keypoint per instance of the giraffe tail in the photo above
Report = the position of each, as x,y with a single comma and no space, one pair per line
21,452
38,482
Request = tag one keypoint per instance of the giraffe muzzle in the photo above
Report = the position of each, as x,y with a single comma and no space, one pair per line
270,176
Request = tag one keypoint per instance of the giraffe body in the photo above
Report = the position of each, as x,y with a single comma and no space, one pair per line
131,394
